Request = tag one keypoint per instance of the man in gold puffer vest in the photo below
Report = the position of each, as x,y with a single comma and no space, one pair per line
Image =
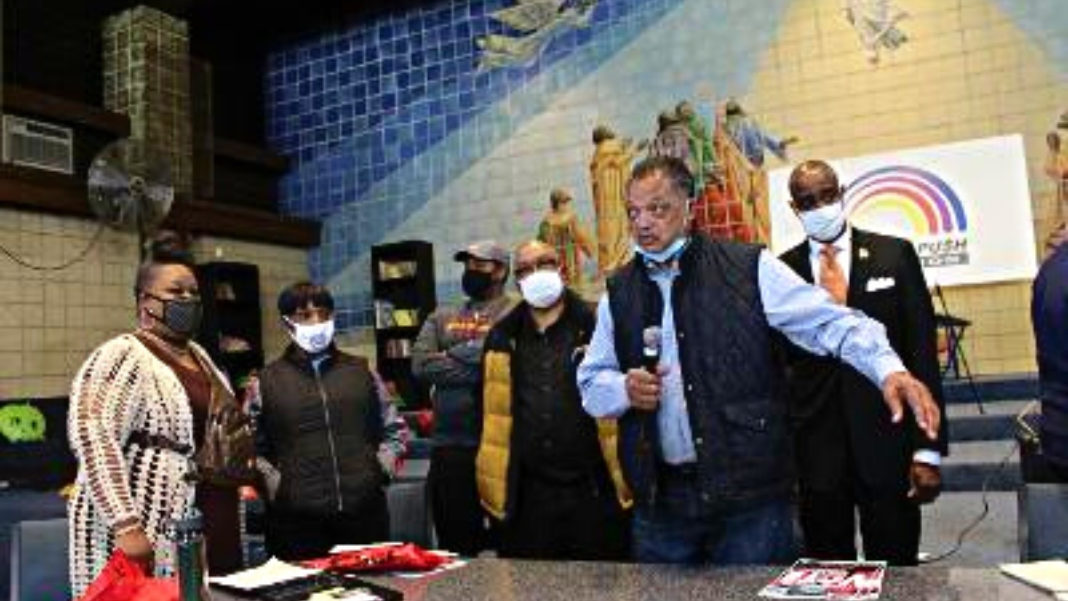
546,470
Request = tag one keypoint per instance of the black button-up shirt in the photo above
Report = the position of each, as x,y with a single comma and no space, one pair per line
556,439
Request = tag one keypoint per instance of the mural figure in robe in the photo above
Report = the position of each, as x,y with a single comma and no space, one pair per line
875,22
703,161
561,229
672,138
609,171
538,22
1056,168
750,137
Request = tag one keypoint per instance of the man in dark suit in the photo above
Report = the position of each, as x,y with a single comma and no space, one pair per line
850,456
1049,316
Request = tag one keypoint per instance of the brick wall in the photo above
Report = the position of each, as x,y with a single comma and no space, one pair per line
146,76
968,71
49,321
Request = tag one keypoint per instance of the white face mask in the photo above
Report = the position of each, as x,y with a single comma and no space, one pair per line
825,223
314,338
542,288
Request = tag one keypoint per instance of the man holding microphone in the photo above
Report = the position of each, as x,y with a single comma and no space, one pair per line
704,441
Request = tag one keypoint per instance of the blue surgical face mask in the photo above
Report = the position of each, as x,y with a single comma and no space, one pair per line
825,223
668,253
313,338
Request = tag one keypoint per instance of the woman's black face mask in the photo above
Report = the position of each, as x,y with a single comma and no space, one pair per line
180,315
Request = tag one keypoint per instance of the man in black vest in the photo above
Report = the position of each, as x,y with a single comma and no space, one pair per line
704,436
327,427
849,456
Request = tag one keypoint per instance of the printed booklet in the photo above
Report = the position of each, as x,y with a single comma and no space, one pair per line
833,580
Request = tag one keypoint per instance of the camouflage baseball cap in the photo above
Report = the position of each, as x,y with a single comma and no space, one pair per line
486,250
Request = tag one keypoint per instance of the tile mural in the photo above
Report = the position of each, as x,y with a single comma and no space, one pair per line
400,128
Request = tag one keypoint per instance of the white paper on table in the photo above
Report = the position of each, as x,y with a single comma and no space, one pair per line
348,595
274,571
346,548
1050,575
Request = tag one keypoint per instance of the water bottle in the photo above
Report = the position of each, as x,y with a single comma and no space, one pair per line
191,557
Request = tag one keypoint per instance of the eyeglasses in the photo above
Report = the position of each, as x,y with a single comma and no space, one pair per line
818,198
542,264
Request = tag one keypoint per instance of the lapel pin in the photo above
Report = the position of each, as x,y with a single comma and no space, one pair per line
863,252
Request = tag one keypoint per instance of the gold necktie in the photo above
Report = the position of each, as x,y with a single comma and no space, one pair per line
832,278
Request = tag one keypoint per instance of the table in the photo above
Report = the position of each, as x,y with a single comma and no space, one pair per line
510,580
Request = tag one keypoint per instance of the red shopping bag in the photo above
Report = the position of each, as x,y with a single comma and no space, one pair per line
123,579
392,558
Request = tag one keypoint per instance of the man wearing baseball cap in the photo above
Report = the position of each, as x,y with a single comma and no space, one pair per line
447,356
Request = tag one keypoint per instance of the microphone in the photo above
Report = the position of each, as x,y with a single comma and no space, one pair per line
651,341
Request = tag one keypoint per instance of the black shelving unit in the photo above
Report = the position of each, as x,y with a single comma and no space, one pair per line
402,282
231,295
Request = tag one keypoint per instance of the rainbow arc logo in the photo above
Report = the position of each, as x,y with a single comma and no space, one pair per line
909,197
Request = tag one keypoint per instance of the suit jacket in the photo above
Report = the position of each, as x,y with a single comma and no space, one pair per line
885,282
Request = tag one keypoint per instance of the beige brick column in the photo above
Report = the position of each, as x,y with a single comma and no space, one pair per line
146,76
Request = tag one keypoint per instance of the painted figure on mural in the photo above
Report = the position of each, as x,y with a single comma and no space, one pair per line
609,171
702,152
750,138
561,229
672,138
875,22
538,21
1057,168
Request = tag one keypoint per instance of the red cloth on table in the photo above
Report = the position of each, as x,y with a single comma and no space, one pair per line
393,558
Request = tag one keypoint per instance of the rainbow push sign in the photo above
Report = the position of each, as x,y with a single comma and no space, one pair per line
916,204
966,207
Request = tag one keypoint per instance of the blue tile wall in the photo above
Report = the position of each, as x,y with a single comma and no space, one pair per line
381,117
351,106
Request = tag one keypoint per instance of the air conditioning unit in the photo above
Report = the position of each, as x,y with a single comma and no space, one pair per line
39,145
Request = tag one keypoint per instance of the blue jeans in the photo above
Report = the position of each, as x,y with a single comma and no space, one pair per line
680,528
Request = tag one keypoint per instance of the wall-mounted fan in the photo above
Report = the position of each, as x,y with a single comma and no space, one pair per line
130,188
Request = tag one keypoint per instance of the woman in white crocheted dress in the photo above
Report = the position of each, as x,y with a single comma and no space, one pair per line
131,424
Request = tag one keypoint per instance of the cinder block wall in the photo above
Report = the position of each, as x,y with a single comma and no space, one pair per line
50,320
968,71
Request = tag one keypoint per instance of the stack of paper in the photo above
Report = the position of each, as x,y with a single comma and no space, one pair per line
270,573
1051,575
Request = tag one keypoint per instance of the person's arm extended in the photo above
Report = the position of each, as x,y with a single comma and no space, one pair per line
807,316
